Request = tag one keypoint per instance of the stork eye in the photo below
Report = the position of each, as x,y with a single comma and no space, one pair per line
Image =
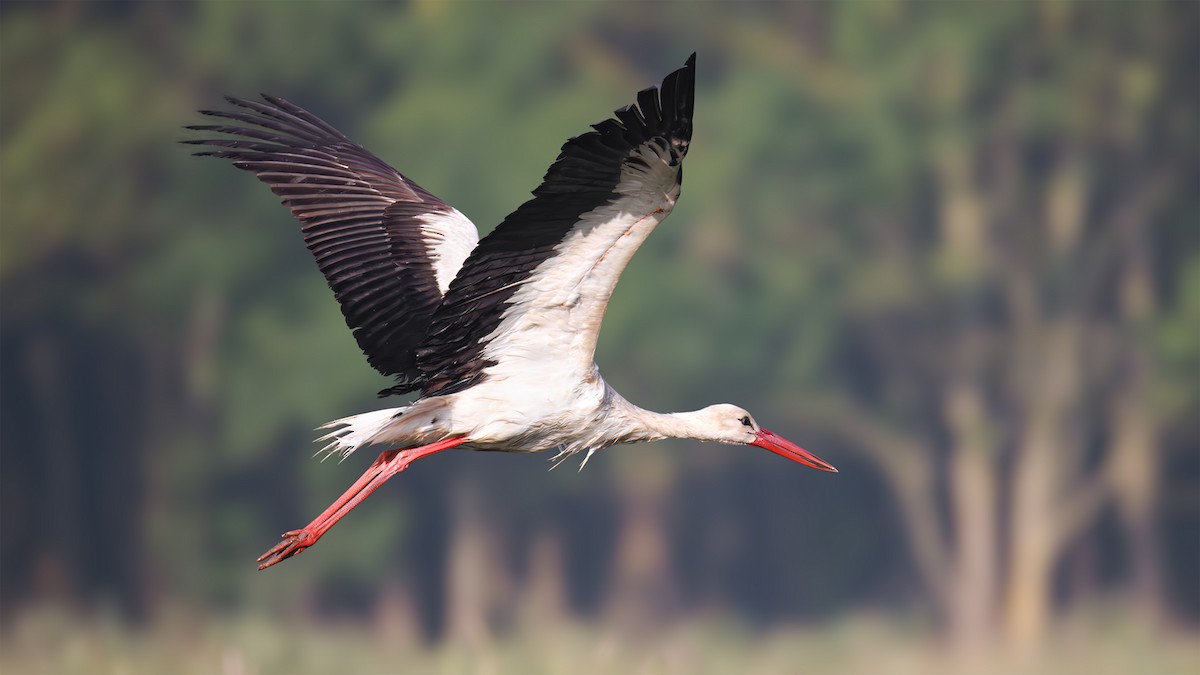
746,421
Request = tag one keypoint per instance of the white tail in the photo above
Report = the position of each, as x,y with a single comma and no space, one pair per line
352,433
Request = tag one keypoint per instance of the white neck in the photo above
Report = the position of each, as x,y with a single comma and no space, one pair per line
648,425
619,421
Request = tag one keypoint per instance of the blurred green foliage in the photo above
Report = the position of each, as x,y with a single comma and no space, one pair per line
168,344
57,644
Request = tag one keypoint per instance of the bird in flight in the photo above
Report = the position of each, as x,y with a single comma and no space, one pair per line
497,336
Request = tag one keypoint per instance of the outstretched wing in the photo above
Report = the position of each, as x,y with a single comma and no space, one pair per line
534,291
387,247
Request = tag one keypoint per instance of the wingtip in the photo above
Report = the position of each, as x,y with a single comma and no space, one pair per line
277,101
691,61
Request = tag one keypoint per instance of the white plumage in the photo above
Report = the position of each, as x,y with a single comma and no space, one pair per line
498,335
450,237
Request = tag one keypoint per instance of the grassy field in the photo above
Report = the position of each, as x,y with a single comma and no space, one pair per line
54,641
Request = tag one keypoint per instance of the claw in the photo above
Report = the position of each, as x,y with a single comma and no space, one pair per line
293,542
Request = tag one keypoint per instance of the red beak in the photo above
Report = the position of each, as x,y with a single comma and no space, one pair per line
785,448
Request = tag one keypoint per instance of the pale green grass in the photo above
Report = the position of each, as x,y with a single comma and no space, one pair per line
56,642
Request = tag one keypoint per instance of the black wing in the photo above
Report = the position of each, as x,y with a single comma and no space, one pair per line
387,247
564,248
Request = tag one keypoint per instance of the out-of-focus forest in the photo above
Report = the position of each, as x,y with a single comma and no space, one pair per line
952,248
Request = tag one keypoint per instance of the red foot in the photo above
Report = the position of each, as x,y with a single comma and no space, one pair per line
293,543
388,464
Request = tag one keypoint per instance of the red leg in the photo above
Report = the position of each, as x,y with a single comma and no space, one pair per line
388,464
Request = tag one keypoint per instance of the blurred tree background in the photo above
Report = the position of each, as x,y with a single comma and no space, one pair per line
950,247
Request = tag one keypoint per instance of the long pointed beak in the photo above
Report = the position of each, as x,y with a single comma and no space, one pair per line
785,448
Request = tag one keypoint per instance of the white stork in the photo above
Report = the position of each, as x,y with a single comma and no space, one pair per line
497,335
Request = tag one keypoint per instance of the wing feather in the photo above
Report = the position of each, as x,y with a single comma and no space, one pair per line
539,283
386,246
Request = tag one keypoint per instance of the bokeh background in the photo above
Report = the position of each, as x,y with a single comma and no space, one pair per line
953,248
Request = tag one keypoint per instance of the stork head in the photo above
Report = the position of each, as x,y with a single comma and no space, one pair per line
731,424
